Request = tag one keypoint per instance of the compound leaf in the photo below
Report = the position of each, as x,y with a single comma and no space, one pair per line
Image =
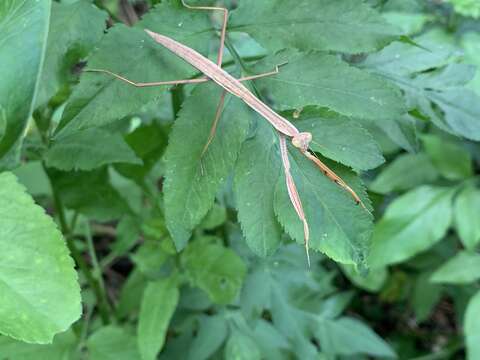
327,81
344,25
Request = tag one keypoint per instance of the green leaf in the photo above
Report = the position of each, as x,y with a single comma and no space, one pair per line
339,228
402,59
451,160
401,130
419,168
89,149
36,270
466,7
372,282
348,336
273,345
24,31
214,218
467,203
471,327
341,139
63,347
192,179
112,343
463,268
211,335
215,269
282,284
158,304
241,347
74,30
346,25
327,81
425,296
32,175
258,167
148,142
412,223
440,94
410,23
90,193
131,53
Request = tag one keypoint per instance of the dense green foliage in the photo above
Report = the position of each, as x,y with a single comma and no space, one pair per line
181,253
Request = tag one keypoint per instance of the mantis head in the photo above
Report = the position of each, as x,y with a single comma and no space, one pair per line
302,141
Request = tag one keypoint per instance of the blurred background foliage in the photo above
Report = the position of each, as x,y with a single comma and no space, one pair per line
420,298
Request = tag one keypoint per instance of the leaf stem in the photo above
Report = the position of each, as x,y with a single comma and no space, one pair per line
103,305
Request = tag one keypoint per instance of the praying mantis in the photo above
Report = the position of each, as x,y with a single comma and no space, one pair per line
214,72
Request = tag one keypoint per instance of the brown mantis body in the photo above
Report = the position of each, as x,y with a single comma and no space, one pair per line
234,86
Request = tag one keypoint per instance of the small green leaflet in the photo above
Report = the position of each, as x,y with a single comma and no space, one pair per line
74,30
214,268
192,179
348,26
466,205
89,149
451,160
341,139
256,172
392,178
463,268
349,336
159,301
325,80
471,327
339,228
412,223
21,58
36,270
241,347
112,343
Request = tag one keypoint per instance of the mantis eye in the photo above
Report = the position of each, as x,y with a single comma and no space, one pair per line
302,140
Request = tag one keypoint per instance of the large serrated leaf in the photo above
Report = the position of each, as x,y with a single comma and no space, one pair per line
89,149
325,80
74,30
341,139
36,270
23,37
131,53
192,178
349,26
339,228
257,170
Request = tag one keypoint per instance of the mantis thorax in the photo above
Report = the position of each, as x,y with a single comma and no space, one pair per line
302,141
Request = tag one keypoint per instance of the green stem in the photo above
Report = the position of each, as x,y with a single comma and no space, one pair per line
103,306
97,271
238,59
